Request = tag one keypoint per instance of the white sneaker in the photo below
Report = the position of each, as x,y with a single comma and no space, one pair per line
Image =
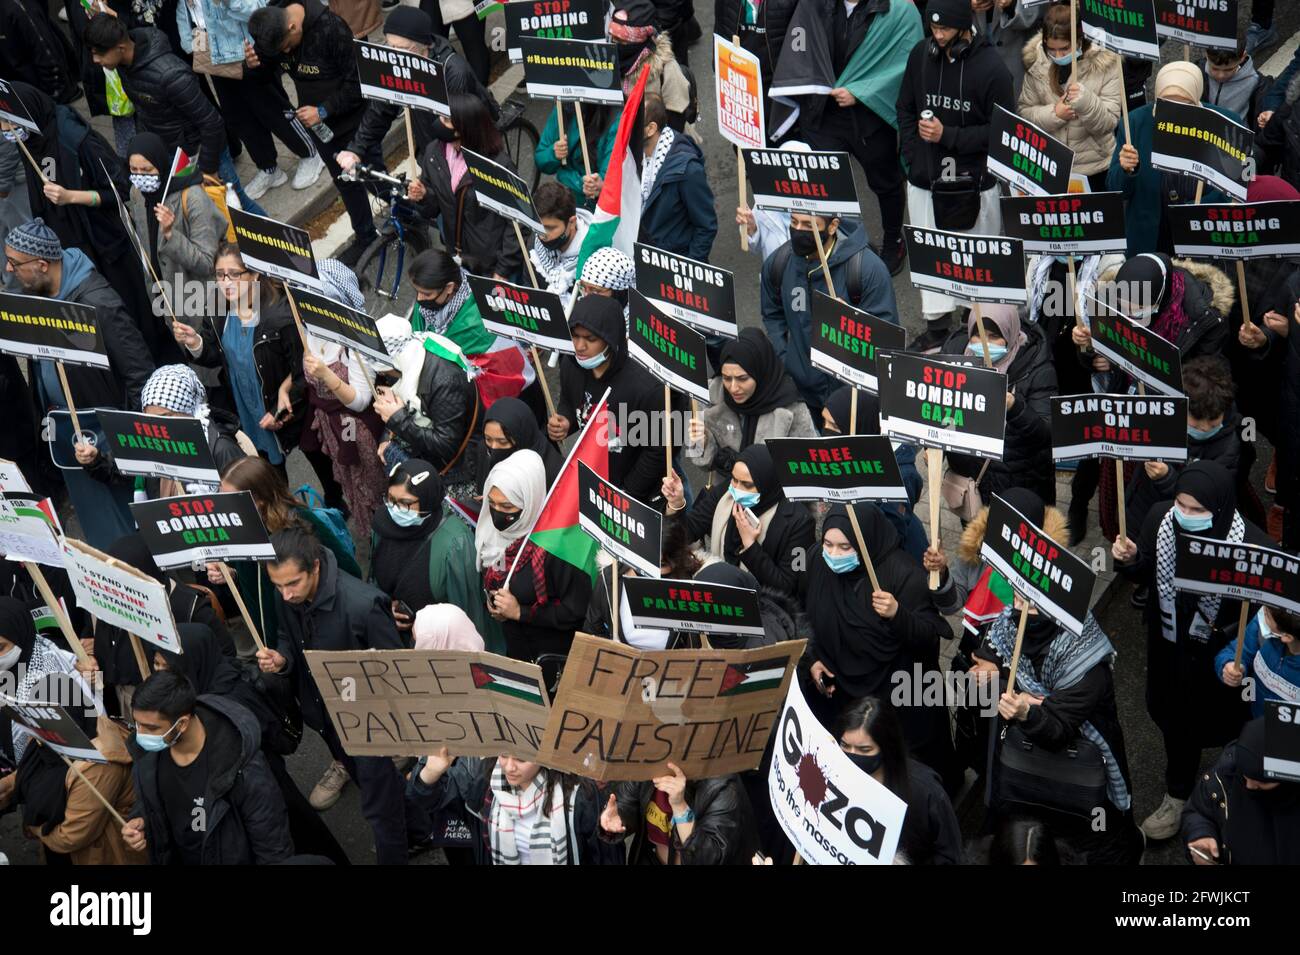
326,792
1165,821
264,180
308,171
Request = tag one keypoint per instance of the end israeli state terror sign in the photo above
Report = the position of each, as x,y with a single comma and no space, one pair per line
811,183
1236,230
581,70
159,445
1134,427
1027,158
552,20
202,527
693,606
33,326
625,528
274,248
1207,23
846,340
1081,223
699,294
121,595
1126,27
1265,575
1139,351
847,468
397,76
973,268
670,350
1203,143
531,315
502,191
1041,570
954,407
740,94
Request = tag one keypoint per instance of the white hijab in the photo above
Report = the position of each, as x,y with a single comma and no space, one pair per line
522,479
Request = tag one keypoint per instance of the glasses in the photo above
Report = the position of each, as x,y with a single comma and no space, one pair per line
231,275
15,264
413,506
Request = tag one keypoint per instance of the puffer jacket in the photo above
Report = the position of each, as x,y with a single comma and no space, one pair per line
724,832
484,240
1209,297
667,79
723,430
1276,671
227,26
451,410
1092,135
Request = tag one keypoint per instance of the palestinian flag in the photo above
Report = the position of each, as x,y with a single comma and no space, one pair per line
498,680
500,368
617,220
183,168
557,531
751,677
986,602
466,512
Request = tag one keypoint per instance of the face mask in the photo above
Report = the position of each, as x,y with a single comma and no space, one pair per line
627,54
10,657
1062,60
502,521
1265,631
1193,524
868,764
442,133
1062,259
595,361
16,135
497,455
842,564
996,352
402,517
155,744
146,182
803,244
1142,320
743,498
559,242
1200,435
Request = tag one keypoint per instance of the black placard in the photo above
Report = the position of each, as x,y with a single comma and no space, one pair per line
1207,23
672,351
502,191
582,70
1126,27
552,20
1142,353
52,725
974,268
335,322
14,110
1080,223
37,327
846,340
1282,740
693,292
396,76
202,527
159,445
1203,143
813,183
275,248
1135,427
848,468
530,315
1236,230
1041,570
933,403
1026,157
624,527
1265,575
692,605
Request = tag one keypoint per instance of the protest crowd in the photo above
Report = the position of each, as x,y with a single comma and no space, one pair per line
596,569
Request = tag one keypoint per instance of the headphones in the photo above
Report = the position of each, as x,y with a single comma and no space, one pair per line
956,49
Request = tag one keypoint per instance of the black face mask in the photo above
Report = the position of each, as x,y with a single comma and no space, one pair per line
495,456
559,242
627,54
444,133
502,521
803,244
868,764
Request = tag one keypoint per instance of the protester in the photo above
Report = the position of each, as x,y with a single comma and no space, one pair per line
633,26
509,427
608,272
35,51
678,561
555,254
559,152
1233,83
676,201
1270,652
445,627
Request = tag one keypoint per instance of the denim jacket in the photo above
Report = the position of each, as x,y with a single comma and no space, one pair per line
227,24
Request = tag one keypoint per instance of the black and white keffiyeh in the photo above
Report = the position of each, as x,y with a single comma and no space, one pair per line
525,813
609,268
178,389
652,165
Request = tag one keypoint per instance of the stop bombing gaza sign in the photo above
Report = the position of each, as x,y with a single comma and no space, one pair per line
1080,223
1236,230
1026,157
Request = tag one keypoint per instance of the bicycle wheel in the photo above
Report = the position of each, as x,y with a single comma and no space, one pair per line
380,272
521,142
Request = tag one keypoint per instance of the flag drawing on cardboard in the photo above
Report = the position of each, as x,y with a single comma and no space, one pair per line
28,534
753,676
500,680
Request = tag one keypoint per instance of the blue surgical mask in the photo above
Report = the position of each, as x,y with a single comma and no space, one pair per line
16,135
1265,631
1193,524
1200,435
147,182
403,517
155,744
841,564
996,352
743,498
595,361
1064,60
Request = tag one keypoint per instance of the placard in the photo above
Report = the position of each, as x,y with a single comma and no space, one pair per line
1203,143
1133,427
1236,230
400,77
1282,740
816,183
274,248
202,528
14,110
120,595
52,726
159,445
33,326
1263,575
1025,157
739,88
670,350
624,714
583,70
1081,223
846,340
1142,353
412,702
332,321
841,468
1126,27
502,191
699,294
936,404
12,479
973,268
1041,570
28,534
693,606
1206,23
552,20
530,315
625,528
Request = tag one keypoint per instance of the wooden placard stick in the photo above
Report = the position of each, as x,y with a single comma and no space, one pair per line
821,254
67,396
243,608
862,548
933,475
43,587
98,795
1015,654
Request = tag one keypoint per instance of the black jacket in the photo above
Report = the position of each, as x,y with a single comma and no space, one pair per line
1252,828
724,832
168,100
1277,369
190,607
246,822
346,614
485,241
34,50
765,38
780,559
323,67
1225,447
931,834
678,215
451,411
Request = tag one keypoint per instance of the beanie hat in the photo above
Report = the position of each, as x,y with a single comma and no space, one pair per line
37,239
1182,76
949,13
411,23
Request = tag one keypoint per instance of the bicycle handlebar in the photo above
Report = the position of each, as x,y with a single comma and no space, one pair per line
362,171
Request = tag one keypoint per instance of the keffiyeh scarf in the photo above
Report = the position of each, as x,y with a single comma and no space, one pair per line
1166,556
525,812
652,165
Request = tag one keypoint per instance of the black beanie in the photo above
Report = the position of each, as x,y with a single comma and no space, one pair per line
949,13
412,23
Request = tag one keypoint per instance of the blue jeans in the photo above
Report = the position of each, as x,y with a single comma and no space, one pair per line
229,174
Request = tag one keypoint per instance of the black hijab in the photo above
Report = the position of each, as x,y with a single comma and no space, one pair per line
603,317
152,148
1150,270
41,786
17,627
201,660
729,575
762,472
425,483
1212,486
60,139
773,388
520,426
840,406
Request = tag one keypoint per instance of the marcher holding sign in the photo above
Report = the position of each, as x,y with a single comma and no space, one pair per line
1134,427
1027,158
159,446
1127,27
846,341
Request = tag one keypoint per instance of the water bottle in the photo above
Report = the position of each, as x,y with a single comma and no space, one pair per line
232,198
323,132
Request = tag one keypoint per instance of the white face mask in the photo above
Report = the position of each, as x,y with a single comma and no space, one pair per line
10,657
16,135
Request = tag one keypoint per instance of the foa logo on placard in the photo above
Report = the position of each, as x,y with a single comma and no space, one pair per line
75,909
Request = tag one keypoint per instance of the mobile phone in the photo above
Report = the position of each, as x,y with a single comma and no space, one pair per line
752,518
282,414
404,609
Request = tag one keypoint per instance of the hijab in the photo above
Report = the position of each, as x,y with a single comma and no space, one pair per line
773,388
840,405
520,426
445,627
1153,270
729,575
41,786
17,627
152,148
1212,486
1006,319
201,660
762,471
522,479
423,481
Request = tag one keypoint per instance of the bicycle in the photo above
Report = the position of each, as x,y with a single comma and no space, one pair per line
402,228
521,138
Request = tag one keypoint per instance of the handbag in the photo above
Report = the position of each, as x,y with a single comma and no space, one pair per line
956,202
1070,780
962,494
203,59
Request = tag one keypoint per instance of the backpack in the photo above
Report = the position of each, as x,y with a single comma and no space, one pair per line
216,190
693,102
774,268
331,517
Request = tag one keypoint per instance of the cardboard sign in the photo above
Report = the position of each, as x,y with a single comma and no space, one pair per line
1134,427
973,268
411,702
28,534
530,315
670,350
814,183
120,595
624,714
832,812
202,528
11,478
1207,23
1027,158
940,405
346,327
582,70
1282,740
396,76
52,726
699,294
1126,27
739,94
159,445
1089,223
1264,575
501,191
13,110
842,468
1236,230
33,326
1042,571
624,527
846,340
1139,351
1203,143
552,20
277,249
